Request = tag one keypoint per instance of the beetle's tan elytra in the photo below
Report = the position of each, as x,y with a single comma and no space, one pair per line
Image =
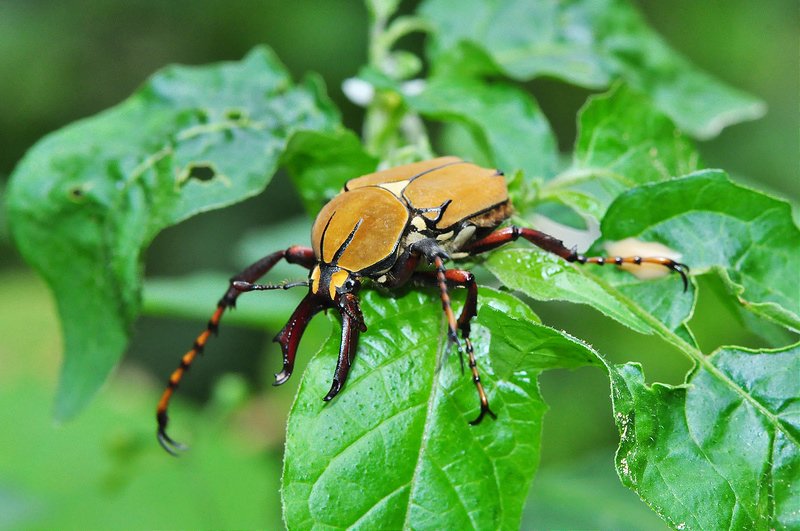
387,227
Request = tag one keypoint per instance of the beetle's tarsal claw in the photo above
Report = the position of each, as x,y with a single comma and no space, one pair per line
484,411
282,377
167,443
452,336
335,388
683,271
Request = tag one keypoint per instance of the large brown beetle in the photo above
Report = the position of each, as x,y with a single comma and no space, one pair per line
380,227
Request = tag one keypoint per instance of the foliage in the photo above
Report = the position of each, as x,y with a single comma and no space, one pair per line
87,200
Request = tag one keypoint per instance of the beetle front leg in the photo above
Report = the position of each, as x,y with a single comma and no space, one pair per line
303,256
289,337
352,325
557,247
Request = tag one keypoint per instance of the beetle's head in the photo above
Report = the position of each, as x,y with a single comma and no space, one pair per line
330,282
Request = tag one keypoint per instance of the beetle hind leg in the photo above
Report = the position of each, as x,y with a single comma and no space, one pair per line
554,245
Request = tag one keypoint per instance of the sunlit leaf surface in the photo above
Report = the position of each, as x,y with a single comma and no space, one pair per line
732,435
395,449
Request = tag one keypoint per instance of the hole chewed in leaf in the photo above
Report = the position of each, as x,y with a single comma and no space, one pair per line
201,172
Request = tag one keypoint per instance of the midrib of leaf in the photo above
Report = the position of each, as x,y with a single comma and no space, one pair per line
429,418
694,354
422,441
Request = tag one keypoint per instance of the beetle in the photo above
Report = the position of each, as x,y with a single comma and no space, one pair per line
386,227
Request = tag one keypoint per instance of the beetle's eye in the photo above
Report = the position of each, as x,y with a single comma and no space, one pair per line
349,284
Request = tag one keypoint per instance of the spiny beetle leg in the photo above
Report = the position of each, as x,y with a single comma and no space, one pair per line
441,280
557,247
352,325
476,378
296,255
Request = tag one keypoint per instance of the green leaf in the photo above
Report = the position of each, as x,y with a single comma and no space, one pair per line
731,435
505,121
623,141
321,162
394,449
86,200
543,276
746,236
589,43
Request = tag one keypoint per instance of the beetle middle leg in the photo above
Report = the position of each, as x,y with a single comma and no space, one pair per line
464,279
557,247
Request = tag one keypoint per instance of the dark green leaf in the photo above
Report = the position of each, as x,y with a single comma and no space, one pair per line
87,199
394,448
622,141
507,124
749,237
321,162
732,435
589,43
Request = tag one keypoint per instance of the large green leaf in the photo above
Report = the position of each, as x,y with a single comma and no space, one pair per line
747,236
589,43
622,141
722,452
321,162
394,449
87,199
506,123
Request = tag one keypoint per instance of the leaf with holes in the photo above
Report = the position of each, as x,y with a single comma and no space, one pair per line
394,449
623,141
732,435
589,43
87,199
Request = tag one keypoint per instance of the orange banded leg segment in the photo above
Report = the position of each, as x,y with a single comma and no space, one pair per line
557,247
463,279
441,280
295,255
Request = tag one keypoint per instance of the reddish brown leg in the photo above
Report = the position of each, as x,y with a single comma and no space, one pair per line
352,325
289,336
462,279
295,255
556,246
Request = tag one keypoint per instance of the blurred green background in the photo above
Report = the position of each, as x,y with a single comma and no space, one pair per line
60,61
